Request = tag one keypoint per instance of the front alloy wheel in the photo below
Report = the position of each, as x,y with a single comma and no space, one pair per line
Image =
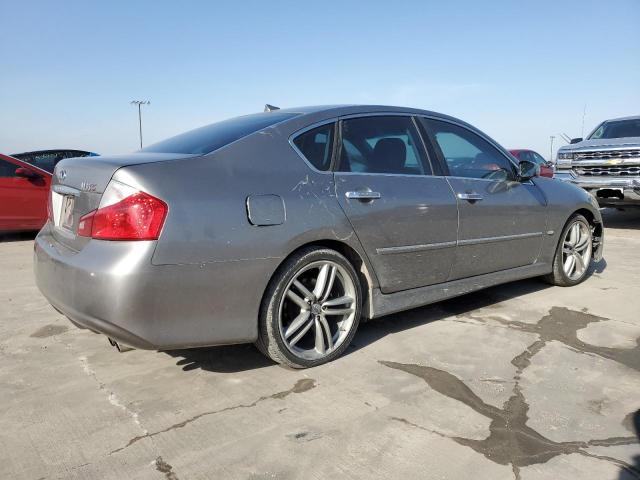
311,309
576,250
573,253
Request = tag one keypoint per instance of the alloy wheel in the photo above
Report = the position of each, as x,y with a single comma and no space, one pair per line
576,250
317,310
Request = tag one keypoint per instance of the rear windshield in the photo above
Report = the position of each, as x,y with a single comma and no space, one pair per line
207,139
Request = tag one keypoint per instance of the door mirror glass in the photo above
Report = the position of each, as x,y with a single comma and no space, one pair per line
527,170
575,140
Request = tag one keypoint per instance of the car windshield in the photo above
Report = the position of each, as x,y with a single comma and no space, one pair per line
617,129
212,137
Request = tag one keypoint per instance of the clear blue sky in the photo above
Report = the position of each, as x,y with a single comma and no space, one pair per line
519,70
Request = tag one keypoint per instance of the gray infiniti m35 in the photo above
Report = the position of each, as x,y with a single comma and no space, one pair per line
289,227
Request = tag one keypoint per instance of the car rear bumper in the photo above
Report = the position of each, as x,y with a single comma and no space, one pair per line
598,186
112,288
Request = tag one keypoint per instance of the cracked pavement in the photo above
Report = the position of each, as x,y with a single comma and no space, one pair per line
521,381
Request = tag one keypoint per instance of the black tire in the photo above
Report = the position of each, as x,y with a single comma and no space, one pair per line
558,276
270,338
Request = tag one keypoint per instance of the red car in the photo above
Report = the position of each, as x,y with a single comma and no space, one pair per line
546,169
24,191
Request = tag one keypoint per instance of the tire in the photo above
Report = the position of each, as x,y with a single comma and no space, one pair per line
297,344
560,276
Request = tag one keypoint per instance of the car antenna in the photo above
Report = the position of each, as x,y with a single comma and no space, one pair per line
270,108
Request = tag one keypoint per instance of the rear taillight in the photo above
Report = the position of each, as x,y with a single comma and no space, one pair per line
124,214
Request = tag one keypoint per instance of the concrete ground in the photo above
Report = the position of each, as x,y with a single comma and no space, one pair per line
521,381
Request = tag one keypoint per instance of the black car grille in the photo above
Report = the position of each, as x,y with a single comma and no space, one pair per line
608,170
608,154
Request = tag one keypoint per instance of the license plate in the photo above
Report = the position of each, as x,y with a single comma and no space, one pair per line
612,189
66,214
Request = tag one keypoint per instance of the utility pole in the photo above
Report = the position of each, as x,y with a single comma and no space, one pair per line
139,103
551,137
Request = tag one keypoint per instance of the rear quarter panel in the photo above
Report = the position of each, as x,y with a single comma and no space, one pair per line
207,198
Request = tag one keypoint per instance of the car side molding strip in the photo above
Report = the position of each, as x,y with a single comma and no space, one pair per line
414,248
502,238
470,241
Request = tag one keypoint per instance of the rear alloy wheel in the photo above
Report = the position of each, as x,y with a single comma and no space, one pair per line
311,309
573,254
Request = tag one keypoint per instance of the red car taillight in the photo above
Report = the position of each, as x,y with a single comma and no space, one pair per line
139,216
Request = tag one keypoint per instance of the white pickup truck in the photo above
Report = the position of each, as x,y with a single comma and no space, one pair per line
606,163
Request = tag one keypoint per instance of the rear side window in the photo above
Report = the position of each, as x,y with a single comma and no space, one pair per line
382,145
212,137
7,169
316,146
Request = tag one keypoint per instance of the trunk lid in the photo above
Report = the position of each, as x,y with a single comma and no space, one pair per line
77,187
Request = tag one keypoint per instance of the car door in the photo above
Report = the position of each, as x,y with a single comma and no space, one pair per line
23,201
404,214
502,220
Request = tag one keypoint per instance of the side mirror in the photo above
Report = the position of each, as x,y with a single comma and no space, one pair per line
575,140
527,170
26,173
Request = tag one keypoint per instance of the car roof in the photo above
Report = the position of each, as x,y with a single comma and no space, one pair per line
633,117
312,114
53,150
351,109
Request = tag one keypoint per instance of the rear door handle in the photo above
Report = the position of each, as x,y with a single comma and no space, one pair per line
470,196
363,195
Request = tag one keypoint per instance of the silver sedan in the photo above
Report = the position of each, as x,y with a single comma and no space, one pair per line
289,227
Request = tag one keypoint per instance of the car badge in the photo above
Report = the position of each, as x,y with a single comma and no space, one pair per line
614,162
88,187
62,174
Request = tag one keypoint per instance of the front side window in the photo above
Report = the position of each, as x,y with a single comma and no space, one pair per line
469,155
382,145
316,145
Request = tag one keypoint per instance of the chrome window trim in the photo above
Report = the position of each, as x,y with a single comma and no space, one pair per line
301,131
420,175
526,182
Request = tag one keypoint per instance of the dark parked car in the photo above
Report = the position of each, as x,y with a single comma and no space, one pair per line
546,168
23,195
48,159
286,228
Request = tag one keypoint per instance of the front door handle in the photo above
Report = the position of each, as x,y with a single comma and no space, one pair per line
470,196
363,195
